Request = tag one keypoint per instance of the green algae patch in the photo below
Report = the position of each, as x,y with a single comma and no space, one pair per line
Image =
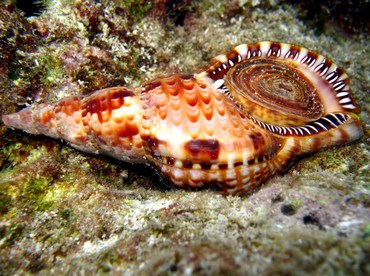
36,183
5,202
366,231
33,194
49,67
137,8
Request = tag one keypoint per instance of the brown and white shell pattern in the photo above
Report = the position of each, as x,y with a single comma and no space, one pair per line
237,122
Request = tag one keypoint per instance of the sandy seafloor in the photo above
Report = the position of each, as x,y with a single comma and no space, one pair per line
63,212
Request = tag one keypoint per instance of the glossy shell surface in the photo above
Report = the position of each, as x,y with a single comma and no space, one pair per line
235,123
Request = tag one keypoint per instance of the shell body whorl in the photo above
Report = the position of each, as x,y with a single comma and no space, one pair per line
238,121
197,136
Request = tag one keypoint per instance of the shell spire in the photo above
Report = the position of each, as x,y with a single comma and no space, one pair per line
238,121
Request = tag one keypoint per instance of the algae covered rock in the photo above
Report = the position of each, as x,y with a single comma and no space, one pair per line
62,211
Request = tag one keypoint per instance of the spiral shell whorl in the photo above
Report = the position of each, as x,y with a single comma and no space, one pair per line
290,91
274,92
298,86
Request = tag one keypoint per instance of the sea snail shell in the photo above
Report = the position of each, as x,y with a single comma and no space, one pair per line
238,121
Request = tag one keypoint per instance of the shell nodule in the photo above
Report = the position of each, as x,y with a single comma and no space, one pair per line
238,121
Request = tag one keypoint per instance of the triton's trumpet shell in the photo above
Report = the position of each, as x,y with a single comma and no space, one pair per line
238,121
